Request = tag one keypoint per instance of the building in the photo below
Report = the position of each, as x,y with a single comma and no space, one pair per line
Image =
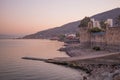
95,23
109,22
109,39
70,36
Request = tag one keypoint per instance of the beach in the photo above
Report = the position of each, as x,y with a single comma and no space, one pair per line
97,71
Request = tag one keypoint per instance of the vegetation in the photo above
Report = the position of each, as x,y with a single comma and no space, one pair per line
61,37
103,25
118,20
84,22
97,48
95,29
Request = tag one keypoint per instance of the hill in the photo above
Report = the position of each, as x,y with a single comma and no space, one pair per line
111,14
9,36
72,27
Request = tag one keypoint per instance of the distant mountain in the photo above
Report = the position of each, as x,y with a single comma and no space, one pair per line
7,36
73,26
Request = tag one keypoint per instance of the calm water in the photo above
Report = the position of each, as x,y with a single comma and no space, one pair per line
12,67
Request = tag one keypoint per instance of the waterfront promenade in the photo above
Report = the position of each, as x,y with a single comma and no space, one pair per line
111,58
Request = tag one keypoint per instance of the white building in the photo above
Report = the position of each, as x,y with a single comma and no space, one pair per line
70,35
95,23
110,22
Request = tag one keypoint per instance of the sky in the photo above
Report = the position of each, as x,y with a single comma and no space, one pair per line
23,17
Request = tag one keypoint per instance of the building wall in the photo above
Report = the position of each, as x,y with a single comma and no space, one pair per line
108,40
113,38
84,36
98,40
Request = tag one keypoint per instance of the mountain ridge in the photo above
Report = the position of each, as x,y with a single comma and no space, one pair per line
72,27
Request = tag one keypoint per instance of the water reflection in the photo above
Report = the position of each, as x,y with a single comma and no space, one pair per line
12,67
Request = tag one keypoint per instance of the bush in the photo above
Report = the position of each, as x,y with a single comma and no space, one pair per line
97,48
95,29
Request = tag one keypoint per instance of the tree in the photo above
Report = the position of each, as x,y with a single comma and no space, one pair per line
103,24
117,20
84,22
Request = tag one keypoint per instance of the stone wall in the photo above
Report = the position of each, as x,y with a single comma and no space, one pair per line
106,40
113,38
98,39
84,37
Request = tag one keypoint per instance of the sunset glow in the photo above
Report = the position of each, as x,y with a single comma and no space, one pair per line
30,16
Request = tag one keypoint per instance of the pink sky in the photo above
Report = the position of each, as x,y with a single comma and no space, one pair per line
30,16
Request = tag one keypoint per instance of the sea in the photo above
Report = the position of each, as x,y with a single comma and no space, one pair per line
13,67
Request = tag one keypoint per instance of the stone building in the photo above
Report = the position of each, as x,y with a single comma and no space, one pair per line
109,39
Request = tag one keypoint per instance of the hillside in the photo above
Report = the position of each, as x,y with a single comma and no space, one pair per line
9,36
111,14
73,26
67,28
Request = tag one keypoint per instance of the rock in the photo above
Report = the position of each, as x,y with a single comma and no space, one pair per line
117,77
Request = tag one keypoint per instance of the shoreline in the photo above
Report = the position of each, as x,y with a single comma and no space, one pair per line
97,72
91,71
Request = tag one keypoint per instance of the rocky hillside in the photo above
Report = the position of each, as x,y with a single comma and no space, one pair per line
73,26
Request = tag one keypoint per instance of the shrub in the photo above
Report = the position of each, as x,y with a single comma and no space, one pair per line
97,48
103,24
95,29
